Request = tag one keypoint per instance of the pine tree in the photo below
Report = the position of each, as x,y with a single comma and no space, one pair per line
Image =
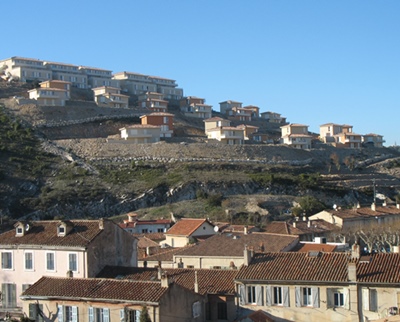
144,315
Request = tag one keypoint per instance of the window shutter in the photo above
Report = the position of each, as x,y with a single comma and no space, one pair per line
242,294
32,311
315,296
122,315
106,315
13,295
365,299
74,314
373,301
285,296
269,295
346,299
137,313
298,296
91,314
60,313
259,295
329,298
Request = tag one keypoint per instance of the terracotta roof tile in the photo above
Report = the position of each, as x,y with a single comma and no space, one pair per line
291,267
210,281
233,244
152,236
185,227
164,254
307,247
145,242
257,316
97,289
380,268
45,233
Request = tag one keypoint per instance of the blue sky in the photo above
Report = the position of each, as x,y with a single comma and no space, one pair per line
314,62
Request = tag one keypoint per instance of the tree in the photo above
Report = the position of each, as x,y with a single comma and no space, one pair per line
144,315
308,205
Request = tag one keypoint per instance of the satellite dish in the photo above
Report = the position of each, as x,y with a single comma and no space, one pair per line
334,206
27,227
216,229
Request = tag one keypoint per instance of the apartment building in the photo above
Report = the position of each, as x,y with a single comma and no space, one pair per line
193,106
228,105
51,93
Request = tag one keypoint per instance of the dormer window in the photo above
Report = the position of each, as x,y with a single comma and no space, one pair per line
20,230
61,231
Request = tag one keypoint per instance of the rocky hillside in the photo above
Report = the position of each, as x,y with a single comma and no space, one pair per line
56,162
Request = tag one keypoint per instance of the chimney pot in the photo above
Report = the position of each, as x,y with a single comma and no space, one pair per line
70,274
373,206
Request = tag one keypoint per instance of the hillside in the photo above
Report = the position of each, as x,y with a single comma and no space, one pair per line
56,162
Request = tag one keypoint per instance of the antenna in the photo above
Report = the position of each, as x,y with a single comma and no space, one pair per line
216,229
335,206
27,227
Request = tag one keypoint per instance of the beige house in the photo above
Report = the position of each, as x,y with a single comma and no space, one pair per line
317,286
360,217
195,107
248,130
187,230
373,139
153,101
255,110
226,134
136,84
107,96
52,248
273,117
239,114
214,122
216,285
296,136
97,77
340,135
67,72
141,133
110,300
24,69
51,93
227,250
225,106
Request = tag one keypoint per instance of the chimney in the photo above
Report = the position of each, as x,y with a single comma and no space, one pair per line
304,218
165,280
70,274
352,272
396,249
294,224
148,251
355,251
373,206
309,223
159,270
101,223
248,254
358,205
245,230
131,217
384,203
196,284
397,205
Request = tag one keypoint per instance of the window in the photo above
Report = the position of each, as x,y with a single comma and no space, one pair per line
99,314
67,313
6,260
73,262
20,231
160,230
9,298
35,312
28,261
307,296
50,261
145,230
277,295
222,311
133,316
338,299
196,309
254,295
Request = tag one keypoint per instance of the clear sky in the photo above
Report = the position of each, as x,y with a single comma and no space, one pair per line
313,61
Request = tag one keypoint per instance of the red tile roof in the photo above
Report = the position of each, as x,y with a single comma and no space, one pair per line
96,289
210,281
186,227
302,227
383,268
164,254
233,244
365,212
45,233
307,247
297,267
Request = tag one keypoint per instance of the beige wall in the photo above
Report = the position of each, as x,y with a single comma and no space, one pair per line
211,125
141,135
311,314
208,261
